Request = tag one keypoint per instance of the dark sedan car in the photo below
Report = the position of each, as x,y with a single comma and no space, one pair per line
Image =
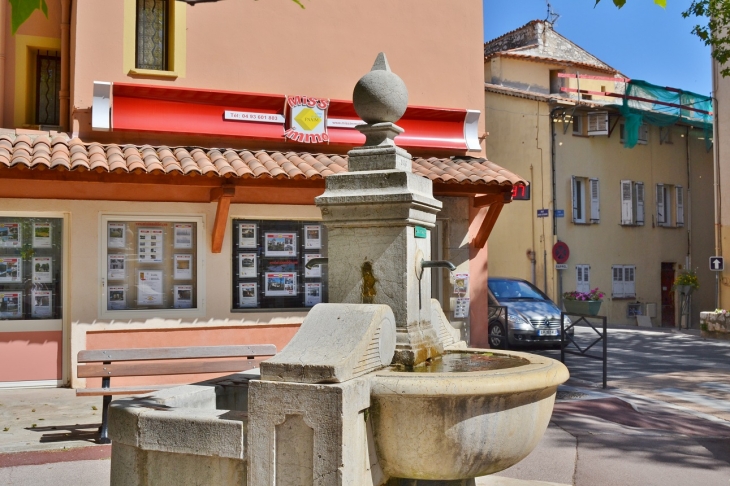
532,318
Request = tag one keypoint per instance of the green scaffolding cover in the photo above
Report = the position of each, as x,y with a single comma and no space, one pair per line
638,112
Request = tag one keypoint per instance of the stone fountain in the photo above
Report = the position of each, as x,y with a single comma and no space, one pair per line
375,388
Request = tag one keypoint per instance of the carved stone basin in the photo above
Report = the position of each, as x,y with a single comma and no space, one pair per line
460,425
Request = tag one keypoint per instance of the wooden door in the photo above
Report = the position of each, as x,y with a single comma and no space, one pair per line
667,295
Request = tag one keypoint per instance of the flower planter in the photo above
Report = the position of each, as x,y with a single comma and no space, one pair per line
586,307
684,289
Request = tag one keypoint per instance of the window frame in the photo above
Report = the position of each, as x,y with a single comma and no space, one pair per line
199,311
167,36
623,270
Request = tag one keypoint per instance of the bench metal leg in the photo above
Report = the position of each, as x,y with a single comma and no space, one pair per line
104,430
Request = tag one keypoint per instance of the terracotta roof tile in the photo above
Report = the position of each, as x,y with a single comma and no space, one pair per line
39,151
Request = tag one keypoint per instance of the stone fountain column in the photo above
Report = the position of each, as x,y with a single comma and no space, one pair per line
372,212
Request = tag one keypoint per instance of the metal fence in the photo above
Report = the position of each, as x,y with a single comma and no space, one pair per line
568,340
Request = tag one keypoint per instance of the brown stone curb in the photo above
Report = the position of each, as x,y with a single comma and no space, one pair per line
31,458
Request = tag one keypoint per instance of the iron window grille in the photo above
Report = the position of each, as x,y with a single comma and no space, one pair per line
48,87
151,36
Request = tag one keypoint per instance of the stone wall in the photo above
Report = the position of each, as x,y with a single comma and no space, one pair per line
715,325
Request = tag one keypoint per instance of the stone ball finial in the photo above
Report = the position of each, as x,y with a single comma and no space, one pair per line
380,96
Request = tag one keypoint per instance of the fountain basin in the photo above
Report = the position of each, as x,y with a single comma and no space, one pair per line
461,425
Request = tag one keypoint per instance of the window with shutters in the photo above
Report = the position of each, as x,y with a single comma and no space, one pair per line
578,125
586,198
623,281
583,278
598,123
632,203
643,134
669,205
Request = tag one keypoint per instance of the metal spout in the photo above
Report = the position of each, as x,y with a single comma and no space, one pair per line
437,264
316,261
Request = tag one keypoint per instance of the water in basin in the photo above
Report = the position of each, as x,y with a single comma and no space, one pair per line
461,361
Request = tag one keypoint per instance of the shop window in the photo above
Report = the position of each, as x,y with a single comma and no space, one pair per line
152,34
47,88
152,265
269,260
31,253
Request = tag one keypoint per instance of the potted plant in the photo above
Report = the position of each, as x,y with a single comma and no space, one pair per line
686,282
586,303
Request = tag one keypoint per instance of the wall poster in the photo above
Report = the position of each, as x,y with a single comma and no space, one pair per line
42,269
247,294
10,235
150,245
461,283
149,287
183,236
117,297
116,267
314,272
247,267
10,269
281,284
281,244
183,296
41,303
183,269
312,236
247,235
116,235
11,304
462,308
313,293
42,235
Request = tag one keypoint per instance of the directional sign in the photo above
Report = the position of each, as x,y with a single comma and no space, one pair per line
717,264
561,252
543,213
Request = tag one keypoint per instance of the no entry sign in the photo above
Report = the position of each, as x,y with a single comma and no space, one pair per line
561,252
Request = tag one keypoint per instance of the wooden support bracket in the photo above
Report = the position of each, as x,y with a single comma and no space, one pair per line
223,196
485,229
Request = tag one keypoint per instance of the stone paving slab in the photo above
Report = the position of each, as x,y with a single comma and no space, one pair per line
48,418
76,473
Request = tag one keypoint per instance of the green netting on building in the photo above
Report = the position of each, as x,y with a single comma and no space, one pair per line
638,112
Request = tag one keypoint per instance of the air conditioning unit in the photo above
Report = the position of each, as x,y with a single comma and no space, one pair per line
598,123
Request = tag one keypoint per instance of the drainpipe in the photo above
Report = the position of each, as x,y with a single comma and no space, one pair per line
553,163
688,203
716,170
3,20
65,94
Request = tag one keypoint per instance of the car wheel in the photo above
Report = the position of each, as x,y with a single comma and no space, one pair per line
497,335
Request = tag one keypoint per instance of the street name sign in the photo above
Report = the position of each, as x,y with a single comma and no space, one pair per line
560,213
543,213
717,263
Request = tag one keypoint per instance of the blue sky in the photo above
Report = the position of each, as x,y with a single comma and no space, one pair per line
642,40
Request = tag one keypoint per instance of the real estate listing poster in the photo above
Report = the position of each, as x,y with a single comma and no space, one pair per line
313,272
183,296
247,294
116,267
150,245
461,283
183,267
42,303
42,235
247,235
183,235
42,269
11,304
116,235
117,298
462,308
10,235
149,287
281,244
280,284
10,269
312,237
313,294
247,267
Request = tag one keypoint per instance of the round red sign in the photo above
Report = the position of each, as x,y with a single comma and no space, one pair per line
561,252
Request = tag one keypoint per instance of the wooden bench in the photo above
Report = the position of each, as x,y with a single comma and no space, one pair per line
108,363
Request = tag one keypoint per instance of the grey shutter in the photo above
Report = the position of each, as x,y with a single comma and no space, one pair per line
595,201
627,209
680,205
617,285
639,187
660,215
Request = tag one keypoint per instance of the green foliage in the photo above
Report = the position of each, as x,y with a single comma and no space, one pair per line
715,15
687,278
23,9
621,3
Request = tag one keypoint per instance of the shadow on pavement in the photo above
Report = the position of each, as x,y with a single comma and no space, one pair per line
68,433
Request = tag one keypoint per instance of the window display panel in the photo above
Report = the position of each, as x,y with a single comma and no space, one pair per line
151,265
269,260
31,253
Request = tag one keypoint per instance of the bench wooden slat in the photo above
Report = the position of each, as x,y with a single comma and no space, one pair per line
95,370
139,354
121,390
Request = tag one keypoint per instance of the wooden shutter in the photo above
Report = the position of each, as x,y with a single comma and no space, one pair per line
598,123
574,197
629,281
617,286
627,208
660,215
680,205
595,201
639,188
